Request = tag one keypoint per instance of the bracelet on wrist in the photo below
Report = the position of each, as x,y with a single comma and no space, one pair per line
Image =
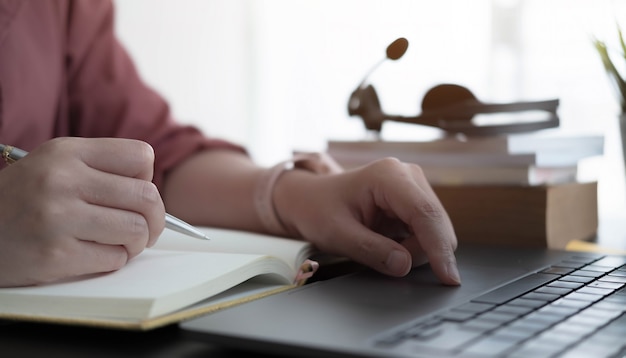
318,163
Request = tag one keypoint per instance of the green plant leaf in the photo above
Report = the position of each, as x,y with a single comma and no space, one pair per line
621,41
610,67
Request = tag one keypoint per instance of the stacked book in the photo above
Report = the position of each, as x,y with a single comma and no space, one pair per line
520,189
515,159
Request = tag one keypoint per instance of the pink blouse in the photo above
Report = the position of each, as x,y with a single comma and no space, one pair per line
64,73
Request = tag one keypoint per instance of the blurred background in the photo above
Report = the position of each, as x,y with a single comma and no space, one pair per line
275,75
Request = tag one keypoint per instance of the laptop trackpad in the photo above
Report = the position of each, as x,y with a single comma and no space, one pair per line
387,300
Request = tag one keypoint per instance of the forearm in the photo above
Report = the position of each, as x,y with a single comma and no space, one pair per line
214,188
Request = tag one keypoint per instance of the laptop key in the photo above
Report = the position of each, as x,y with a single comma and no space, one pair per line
579,279
559,338
501,317
560,291
480,325
515,289
536,349
515,310
588,297
598,312
570,264
618,273
456,316
610,306
572,303
604,284
616,327
587,273
492,346
559,311
565,284
513,334
527,303
427,334
587,258
574,329
542,318
558,270
611,278
595,290
547,297
593,349
449,338
474,307
616,298
420,327
530,327
599,268
611,261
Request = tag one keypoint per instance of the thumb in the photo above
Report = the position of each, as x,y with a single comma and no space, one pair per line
374,250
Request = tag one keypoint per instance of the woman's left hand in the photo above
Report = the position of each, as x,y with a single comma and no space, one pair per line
384,215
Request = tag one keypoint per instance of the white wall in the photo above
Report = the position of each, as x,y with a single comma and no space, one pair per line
275,75
196,53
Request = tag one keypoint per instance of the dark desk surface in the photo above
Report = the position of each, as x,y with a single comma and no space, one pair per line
42,340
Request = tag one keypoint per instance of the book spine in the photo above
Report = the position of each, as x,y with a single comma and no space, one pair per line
436,159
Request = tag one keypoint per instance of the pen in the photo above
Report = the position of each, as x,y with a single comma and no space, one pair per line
11,154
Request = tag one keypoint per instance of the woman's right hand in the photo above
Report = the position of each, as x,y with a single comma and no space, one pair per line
77,206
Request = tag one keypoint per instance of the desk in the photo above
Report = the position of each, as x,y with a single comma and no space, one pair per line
41,340
34,340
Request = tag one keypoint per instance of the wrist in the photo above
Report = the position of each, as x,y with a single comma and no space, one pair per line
289,198
278,188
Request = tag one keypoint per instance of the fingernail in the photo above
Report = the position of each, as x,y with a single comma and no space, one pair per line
453,273
398,262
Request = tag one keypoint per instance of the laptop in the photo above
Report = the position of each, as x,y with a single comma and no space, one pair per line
512,303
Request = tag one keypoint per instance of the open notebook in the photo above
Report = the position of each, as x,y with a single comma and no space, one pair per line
180,277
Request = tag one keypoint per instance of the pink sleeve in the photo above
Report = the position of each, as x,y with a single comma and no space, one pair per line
107,98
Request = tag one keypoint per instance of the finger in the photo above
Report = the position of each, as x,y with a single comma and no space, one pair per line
130,195
440,253
113,227
371,249
73,258
418,255
433,230
411,198
436,233
397,230
94,258
126,157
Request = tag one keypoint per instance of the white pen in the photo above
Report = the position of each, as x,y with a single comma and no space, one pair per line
11,154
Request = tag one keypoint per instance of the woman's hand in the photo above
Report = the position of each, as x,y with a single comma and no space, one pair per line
384,215
77,206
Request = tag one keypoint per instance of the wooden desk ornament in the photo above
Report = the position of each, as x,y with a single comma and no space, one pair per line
449,107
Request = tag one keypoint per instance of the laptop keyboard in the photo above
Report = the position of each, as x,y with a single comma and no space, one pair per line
575,308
